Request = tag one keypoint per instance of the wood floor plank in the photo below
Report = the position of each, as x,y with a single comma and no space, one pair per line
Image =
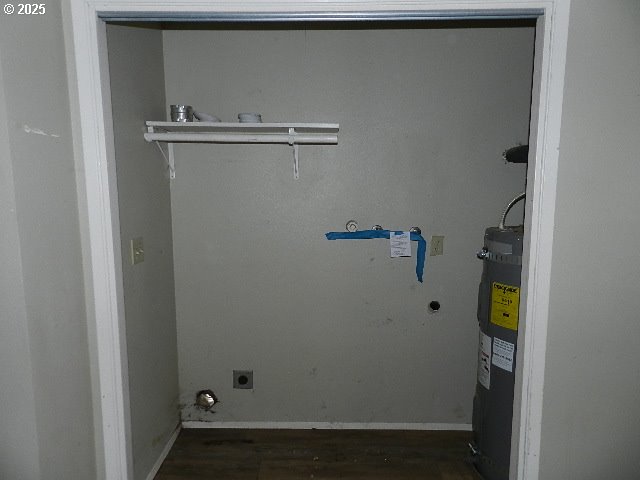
318,454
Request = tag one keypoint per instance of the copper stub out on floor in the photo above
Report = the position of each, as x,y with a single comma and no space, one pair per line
226,454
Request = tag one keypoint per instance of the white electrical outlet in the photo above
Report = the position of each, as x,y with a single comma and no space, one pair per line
436,247
137,250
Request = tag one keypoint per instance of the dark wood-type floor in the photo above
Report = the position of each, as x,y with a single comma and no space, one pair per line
318,454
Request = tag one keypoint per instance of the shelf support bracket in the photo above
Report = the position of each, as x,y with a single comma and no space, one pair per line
292,142
171,162
171,165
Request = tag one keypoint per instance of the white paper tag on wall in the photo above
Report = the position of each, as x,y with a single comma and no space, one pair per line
400,243
503,354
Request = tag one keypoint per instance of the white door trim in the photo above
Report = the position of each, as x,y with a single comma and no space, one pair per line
102,227
551,49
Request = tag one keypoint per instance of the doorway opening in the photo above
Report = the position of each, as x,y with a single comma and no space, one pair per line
111,219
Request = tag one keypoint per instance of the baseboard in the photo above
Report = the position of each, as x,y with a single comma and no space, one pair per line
330,425
164,453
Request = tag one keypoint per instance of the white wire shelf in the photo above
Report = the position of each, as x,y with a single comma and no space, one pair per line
221,132
292,134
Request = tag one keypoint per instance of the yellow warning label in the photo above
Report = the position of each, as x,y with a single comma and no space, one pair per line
505,302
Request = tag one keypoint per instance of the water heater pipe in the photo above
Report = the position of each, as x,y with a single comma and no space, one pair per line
506,210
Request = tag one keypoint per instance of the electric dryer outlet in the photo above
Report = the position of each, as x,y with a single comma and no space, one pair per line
243,379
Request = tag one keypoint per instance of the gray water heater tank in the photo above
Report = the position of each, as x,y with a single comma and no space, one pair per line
498,307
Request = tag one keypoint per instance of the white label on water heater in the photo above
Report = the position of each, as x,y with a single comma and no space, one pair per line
503,354
484,356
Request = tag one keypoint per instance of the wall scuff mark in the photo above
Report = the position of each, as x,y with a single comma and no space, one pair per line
37,131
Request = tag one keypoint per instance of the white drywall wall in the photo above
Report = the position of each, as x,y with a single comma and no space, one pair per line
137,90
47,418
19,443
591,411
336,331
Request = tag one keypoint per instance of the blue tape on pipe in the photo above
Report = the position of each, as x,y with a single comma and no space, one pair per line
369,234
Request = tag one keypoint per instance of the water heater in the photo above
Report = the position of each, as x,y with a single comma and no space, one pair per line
498,307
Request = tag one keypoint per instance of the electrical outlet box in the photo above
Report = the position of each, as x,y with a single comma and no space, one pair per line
137,250
243,379
436,247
